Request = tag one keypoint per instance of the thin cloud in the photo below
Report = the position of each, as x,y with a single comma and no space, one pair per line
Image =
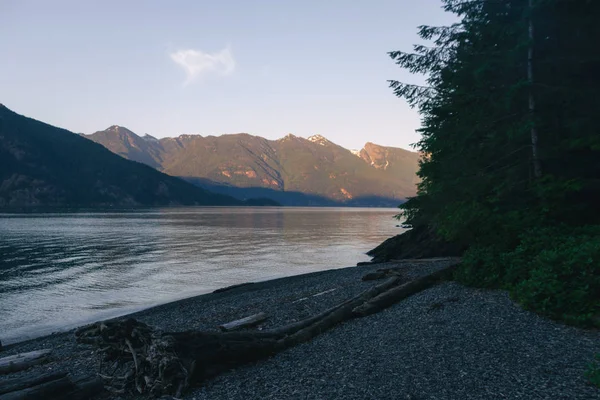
197,64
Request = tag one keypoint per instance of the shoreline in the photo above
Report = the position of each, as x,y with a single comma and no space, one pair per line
238,288
223,292
445,342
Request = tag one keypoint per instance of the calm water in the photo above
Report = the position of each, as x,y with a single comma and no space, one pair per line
60,270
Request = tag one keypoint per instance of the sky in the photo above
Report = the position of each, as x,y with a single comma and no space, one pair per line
264,67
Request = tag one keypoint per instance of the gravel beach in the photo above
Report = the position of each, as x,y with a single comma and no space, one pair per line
447,342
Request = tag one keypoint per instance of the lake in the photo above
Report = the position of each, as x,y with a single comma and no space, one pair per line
60,270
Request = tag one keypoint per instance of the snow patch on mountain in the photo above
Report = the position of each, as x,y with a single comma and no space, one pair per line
318,139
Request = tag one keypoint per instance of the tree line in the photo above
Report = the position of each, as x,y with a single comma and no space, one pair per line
510,168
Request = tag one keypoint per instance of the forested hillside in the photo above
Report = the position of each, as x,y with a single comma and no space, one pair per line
291,170
512,145
45,166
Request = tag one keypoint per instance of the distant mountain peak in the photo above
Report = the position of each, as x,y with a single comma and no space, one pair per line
291,165
74,172
149,138
289,136
319,140
119,129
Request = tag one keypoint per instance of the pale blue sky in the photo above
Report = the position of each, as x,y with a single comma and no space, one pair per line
266,67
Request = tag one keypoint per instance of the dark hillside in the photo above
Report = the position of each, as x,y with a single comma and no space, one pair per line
41,165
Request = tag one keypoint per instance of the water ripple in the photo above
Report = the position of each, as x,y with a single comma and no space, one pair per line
71,268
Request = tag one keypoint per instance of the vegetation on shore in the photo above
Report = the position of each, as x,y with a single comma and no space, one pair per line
593,372
511,166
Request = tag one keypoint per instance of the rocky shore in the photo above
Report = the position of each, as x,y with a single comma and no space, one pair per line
447,342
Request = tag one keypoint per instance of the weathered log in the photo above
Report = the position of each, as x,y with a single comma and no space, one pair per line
23,361
306,330
363,263
52,386
382,273
243,322
14,384
371,292
44,391
84,388
373,276
168,363
396,294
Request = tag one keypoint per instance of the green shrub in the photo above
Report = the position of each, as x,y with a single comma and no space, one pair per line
593,372
553,271
481,266
560,279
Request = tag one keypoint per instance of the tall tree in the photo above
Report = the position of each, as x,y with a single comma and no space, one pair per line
482,111
512,145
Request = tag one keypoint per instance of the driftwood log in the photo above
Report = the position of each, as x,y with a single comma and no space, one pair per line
22,361
50,386
16,384
166,363
398,293
244,322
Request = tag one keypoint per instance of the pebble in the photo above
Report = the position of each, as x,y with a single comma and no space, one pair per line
448,342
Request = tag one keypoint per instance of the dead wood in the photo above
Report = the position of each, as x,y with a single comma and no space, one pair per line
373,276
84,388
51,386
382,273
162,363
46,390
14,384
23,361
398,293
243,322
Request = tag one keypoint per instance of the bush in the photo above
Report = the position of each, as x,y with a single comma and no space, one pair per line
553,271
558,275
593,372
481,266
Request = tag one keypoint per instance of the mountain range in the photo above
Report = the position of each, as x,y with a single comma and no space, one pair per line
291,170
41,166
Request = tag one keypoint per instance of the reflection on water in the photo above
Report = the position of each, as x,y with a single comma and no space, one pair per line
58,270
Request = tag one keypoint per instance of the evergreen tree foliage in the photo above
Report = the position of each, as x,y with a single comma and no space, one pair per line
511,148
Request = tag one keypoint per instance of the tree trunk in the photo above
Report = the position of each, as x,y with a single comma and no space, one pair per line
537,169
